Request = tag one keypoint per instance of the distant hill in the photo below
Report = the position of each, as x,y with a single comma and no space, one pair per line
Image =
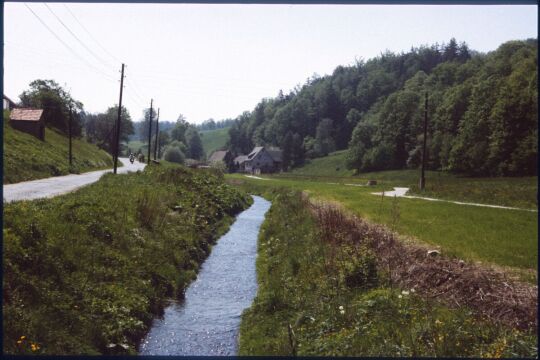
213,140
27,158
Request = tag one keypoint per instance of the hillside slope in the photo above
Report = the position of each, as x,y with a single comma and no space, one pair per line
213,140
27,158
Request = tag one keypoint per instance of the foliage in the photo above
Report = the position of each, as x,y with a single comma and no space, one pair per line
27,158
100,128
194,145
482,112
85,273
56,103
174,154
306,307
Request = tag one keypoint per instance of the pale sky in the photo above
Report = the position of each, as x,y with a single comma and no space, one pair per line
217,61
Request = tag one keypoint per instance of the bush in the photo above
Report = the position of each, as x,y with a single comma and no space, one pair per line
175,155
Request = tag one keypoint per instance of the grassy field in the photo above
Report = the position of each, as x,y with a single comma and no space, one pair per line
489,235
213,140
27,158
515,192
85,273
326,297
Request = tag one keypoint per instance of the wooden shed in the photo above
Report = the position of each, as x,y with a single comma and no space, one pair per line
28,120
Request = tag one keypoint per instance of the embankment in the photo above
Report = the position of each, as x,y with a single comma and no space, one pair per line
85,273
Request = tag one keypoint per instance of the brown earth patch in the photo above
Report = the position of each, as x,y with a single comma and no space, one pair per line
491,293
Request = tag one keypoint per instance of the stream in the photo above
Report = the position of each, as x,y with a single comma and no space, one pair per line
207,321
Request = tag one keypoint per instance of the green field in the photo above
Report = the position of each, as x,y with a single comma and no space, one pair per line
323,295
490,235
86,272
28,158
213,140
510,191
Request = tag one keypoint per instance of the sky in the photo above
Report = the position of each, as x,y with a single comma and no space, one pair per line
217,61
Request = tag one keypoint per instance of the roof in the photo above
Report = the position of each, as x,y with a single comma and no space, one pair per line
255,151
218,155
8,99
26,114
276,154
240,159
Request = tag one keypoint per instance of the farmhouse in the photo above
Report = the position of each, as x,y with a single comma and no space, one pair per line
28,120
259,160
222,155
8,103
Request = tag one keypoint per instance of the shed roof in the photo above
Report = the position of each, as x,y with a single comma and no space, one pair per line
240,159
218,155
255,151
26,114
276,154
10,101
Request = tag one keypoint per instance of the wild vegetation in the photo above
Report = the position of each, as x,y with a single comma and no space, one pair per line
482,112
28,158
327,288
86,272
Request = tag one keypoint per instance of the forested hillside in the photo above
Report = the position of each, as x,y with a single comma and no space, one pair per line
482,112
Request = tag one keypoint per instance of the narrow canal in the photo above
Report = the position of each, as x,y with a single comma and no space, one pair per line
206,322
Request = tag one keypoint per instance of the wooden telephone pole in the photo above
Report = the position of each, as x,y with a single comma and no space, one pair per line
117,132
150,131
157,136
70,134
422,176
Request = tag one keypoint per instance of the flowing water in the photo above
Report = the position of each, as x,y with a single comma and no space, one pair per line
206,322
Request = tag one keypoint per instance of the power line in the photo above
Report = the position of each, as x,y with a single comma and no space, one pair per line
63,43
88,32
76,37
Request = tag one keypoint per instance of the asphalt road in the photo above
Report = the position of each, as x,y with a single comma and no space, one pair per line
50,187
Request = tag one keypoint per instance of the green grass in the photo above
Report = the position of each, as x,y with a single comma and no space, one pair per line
336,303
213,140
489,235
510,191
92,268
27,158
136,145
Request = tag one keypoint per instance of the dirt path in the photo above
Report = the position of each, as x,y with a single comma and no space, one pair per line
402,191
53,186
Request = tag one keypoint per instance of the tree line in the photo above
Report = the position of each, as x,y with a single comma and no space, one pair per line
177,140
482,112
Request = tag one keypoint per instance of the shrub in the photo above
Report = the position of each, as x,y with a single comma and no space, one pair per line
175,155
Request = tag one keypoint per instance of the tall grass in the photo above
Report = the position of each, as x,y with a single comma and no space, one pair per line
85,273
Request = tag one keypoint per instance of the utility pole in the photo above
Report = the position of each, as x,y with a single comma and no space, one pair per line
150,131
422,177
117,133
157,136
69,131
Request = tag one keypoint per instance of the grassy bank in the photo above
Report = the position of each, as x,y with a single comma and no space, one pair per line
86,272
510,191
323,293
27,158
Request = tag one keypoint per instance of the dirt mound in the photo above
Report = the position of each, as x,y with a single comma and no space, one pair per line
488,292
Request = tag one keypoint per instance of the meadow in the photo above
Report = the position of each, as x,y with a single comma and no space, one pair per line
213,140
493,236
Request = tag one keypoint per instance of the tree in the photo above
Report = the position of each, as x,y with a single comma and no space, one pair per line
175,155
56,104
180,128
324,143
100,128
194,144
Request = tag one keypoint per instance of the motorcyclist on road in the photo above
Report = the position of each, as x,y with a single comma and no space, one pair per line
131,157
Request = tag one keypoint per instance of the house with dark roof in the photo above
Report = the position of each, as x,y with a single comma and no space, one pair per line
224,156
260,160
30,121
